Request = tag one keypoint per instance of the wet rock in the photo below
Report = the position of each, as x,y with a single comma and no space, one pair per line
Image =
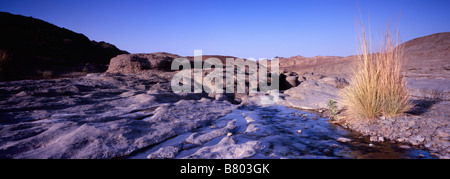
376,139
200,139
415,130
228,148
312,95
327,151
335,146
21,94
249,119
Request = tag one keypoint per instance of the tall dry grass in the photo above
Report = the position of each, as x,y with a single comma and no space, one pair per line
377,86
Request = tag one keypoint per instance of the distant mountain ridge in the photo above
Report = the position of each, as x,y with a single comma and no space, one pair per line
29,47
425,57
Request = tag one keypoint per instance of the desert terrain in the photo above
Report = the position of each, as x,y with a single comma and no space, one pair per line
107,103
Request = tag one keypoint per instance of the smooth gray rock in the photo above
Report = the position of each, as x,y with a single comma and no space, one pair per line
227,148
312,95
108,116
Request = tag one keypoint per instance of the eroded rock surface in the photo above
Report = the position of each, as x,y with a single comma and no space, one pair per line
430,129
97,116
272,132
141,63
315,94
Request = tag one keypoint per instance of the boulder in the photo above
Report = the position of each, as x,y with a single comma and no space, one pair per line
288,80
313,95
335,81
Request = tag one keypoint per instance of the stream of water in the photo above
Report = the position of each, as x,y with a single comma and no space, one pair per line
286,133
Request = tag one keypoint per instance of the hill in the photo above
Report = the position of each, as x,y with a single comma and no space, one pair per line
426,57
31,48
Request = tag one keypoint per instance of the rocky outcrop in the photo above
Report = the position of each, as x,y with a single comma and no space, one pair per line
315,94
141,63
31,48
97,116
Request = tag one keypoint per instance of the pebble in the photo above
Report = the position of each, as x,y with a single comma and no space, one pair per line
229,134
411,123
405,147
344,140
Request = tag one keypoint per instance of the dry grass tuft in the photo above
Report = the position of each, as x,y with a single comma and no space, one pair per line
377,86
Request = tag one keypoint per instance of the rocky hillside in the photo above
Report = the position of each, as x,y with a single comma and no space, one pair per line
32,48
428,56
425,57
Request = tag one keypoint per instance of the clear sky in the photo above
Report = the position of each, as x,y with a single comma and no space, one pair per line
242,28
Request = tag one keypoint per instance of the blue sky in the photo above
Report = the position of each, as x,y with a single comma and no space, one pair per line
242,28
